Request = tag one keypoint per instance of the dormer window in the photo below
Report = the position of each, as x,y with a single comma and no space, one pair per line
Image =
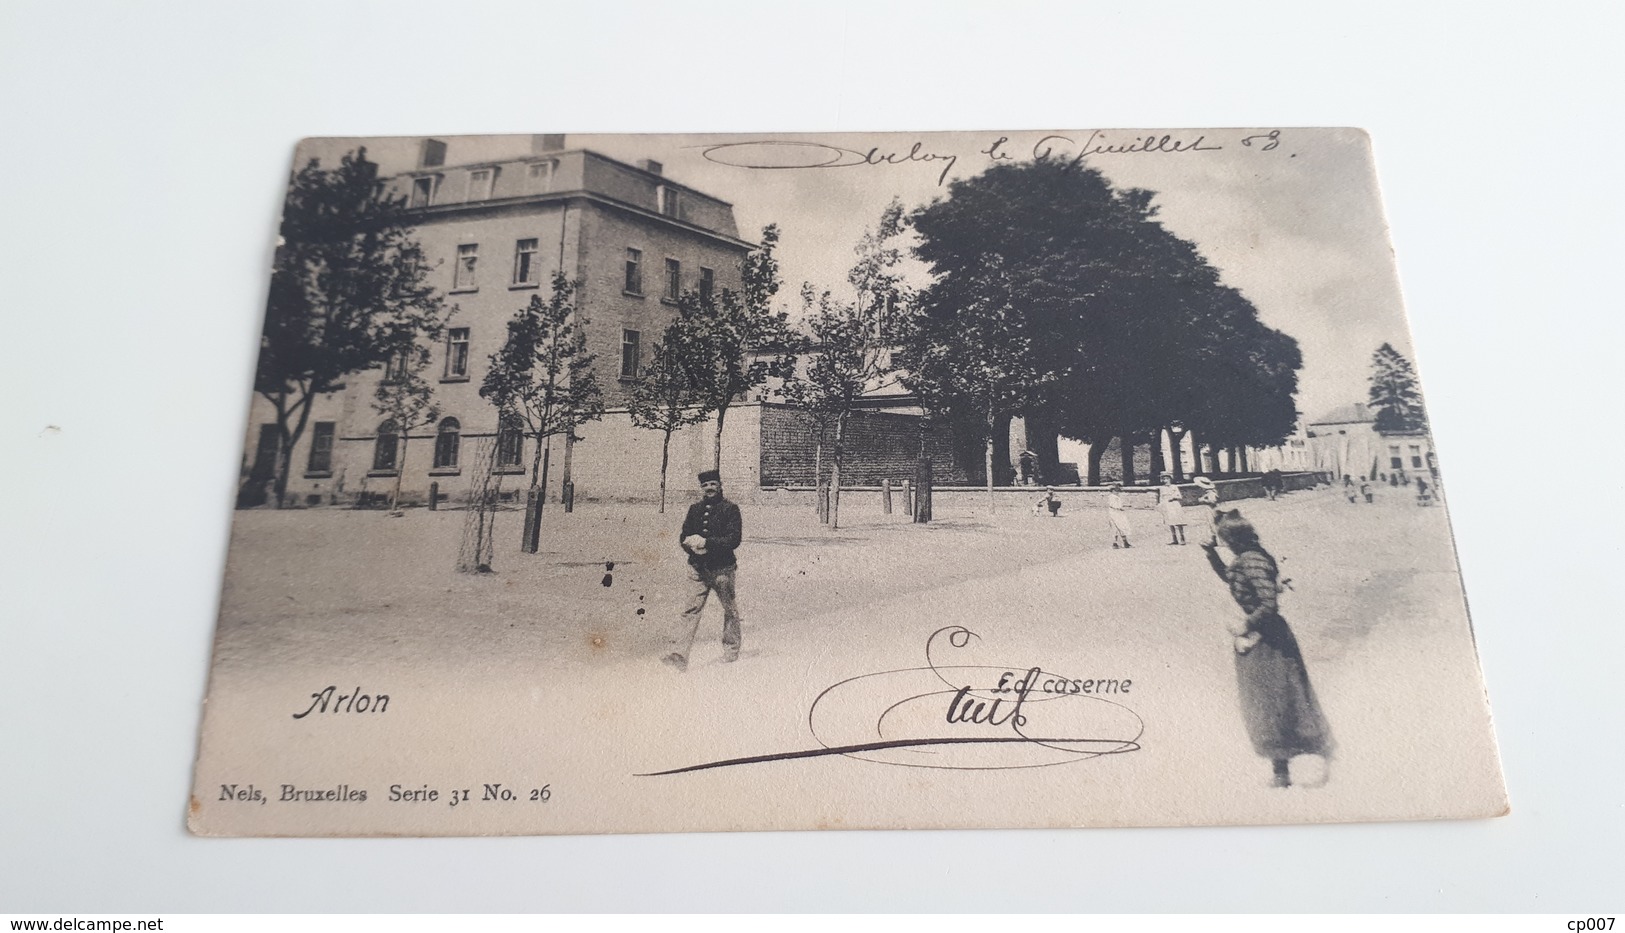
479,184
666,200
540,175
423,190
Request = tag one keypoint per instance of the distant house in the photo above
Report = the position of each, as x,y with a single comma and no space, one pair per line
1292,456
1345,442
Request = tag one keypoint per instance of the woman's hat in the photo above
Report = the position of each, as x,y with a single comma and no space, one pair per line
1204,482
1235,531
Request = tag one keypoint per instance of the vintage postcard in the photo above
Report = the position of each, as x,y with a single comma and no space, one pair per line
602,484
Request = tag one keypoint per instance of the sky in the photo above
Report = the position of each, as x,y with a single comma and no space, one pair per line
1291,217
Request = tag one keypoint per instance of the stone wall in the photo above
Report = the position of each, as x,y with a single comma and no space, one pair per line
879,444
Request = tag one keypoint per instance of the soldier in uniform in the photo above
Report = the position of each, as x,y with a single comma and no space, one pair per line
711,532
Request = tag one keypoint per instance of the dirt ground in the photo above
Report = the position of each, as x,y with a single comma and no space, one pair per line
362,599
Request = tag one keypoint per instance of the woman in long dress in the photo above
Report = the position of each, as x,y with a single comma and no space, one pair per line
1170,501
1278,705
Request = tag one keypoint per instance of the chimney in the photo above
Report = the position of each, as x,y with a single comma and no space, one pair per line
651,166
433,154
550,142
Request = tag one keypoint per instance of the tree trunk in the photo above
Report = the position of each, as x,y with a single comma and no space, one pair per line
1005,473
665,460
1159,466
1096,452
918,493
1174,440
1044,440
284,463
547,457
1244,467
716,455
400,470
536,462
566,483
1126,448
535,497
922,491
288,437
992,434
818,461
835,475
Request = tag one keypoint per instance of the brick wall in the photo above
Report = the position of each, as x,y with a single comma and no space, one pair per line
879,445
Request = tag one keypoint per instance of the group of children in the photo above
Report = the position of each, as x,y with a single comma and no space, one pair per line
1424,492
1171,503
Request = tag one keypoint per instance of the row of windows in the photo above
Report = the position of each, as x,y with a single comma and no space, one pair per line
1396,462
386,449
457,352
526,269
672,287
429,189
457,344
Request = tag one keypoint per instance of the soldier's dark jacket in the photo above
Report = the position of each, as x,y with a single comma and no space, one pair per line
719,523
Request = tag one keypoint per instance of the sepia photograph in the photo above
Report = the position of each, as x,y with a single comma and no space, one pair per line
668,483
904,459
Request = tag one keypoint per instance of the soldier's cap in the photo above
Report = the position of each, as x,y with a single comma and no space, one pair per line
711,476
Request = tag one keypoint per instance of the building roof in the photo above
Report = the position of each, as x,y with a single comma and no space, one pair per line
554,174
1357,413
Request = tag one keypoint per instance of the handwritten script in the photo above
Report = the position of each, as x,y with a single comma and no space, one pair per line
963,716
781,154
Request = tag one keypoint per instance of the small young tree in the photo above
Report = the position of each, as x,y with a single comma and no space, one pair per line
842,365
1394,393
664,399
543,380
734,342
850,352
349,291
406,399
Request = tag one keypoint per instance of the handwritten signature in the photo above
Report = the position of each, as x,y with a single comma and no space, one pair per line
937,716
782,154
793,154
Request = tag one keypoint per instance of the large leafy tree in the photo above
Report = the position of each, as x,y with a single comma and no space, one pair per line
734,341
542,381
349,291
664,397
1394,393
1113,326
978,365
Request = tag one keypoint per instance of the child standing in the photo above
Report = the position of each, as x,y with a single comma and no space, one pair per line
1208,505
1170,501
1118,516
